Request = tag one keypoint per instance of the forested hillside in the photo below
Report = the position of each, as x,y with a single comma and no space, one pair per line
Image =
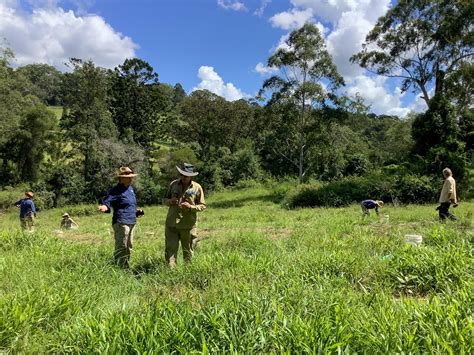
63,134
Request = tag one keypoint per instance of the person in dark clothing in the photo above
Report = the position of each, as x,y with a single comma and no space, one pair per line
121,199
27,211
367,205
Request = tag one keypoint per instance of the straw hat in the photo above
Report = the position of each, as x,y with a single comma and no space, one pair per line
125,171
379,203
187,169
29,194
66,215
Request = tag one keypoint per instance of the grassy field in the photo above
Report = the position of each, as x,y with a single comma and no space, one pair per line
264,279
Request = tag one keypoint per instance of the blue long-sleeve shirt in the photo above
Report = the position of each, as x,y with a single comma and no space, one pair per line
27,207
370,204
122,200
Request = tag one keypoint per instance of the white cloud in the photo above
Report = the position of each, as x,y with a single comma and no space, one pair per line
346,39
290,20
331,10
418,104
211,81
348,23
374,92
262,69
229,5
81,5
51,35
261,9
281,43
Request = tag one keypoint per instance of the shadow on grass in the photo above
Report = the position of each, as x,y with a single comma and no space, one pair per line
148,267
241,202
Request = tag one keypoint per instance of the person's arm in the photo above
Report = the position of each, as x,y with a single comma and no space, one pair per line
200,202
106,203
33,208
17,203
377,210
73,222
450,187
168,200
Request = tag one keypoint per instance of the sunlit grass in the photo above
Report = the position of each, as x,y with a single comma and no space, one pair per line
264,279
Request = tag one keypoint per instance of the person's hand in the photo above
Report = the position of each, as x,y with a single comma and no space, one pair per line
139,212
173,201
186,205
102,208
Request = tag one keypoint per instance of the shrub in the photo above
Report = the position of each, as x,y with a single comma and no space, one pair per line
10,195
247,184
227,168
356,164
307,195
148,192
405,189
416,189
339,193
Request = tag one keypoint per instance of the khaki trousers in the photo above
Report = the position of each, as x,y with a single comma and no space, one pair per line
123,234
26,223
172,238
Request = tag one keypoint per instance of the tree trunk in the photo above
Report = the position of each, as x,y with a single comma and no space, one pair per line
439,84
301,163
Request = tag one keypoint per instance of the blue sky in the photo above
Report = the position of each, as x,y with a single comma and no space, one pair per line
219,45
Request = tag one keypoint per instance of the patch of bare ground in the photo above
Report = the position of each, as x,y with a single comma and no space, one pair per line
90,238
397,297
276,233
273,233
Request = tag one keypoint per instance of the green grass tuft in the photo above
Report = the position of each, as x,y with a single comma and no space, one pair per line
264,280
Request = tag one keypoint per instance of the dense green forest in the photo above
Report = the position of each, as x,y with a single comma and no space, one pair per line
64,134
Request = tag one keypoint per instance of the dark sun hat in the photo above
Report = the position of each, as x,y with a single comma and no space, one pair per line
125,171
187,170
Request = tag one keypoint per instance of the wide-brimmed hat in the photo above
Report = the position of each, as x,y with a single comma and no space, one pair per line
125,171
66,214
379,203
187,169
29,194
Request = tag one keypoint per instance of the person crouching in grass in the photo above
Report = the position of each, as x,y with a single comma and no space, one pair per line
121,198
367,205
67,222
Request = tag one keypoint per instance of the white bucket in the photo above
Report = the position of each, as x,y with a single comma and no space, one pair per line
413,239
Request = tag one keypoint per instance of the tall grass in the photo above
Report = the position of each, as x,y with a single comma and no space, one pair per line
264,279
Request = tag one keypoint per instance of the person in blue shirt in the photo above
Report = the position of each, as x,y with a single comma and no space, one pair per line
367,205
27,211
121,199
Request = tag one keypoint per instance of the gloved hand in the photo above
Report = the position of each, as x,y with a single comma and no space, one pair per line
139,212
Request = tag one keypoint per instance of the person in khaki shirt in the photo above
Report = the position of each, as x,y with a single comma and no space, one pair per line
185,198
447,196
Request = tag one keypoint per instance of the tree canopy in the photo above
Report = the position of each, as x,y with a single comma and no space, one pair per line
424,42
308,79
